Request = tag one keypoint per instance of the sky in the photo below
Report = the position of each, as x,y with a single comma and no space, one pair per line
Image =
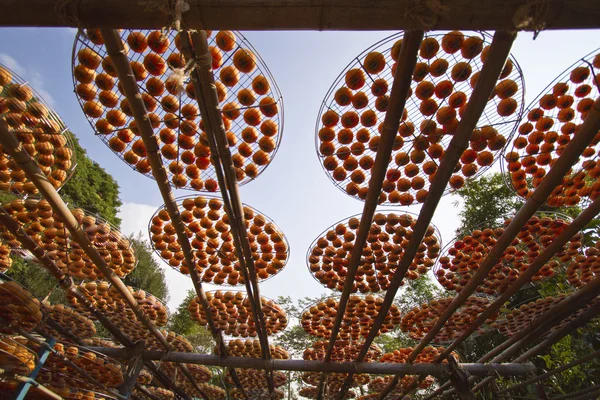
293,191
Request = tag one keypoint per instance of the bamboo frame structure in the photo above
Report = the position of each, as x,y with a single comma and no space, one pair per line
499,51
67,285
321,366
204,86
115,50
398,95
306,14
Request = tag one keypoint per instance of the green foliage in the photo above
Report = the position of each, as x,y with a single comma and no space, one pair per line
92,188
37,279
180,322
148,274
486,199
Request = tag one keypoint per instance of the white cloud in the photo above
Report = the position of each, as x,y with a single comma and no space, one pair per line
134,219
33,77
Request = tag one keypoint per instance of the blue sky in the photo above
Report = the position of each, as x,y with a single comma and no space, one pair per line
294,191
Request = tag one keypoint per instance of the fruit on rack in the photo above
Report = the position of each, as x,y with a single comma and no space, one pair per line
39,221
310,392
329,255
39,130
359,316
255,379
247,94
585,267
5,259
343,351
419,321
350,123
71,320
257,394
232,313
156,392
18,307
251,348
463,258
215,258
15,357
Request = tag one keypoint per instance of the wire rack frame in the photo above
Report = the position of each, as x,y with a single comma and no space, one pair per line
336,298
53,117
208,197
509,126
344,221
281,310
31,352
34,300
583,61
497,224
115,233
260,70
91,316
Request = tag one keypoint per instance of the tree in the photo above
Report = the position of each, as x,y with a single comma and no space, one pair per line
148,274
486,199
180,322
92,188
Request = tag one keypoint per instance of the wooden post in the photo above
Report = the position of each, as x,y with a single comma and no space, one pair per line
460,380
134,366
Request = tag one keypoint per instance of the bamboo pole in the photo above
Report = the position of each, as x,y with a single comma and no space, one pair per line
115,50
480,369
398,95
578,393
557,245
66,284
579,361
588,394
498,54
306,14
47,392
206,96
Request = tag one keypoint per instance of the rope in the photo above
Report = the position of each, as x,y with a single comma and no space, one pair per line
426,12
173,9
532,16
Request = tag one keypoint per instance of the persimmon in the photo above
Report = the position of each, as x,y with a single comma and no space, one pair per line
355,79
137,41
438,67
87,92
429,48
421,71
506,88
424,90
269,128
230,76
83,74
252,117
507,107
452,42
578,74
382,103
261,85
461,71
443,89
116,117
457,99
155,64
360,100
428,107
158,42
103,127
116,144
268,106
170,103
457,182
379,87
411,170
108,67
445,115
395,50
225,40
368,118
244,60
471,47
89,58
374,62
350,119
93,109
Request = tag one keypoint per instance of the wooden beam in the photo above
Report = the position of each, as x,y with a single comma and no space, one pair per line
315,15
460,380
133,368
321,366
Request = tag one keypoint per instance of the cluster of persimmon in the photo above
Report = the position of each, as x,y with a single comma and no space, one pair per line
343,351
232,313
419,321
106,371
519,318
335,380
447,71
213,392
551,124
18,308
379,383
176,341
199,372
208,227
359,316
72,393
464,258
144,377
38,220
15,356
257,394
156,393
253,379
250,111
40,132
585,268
252,348
5,258
389,235
71,320
311,392
107,299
